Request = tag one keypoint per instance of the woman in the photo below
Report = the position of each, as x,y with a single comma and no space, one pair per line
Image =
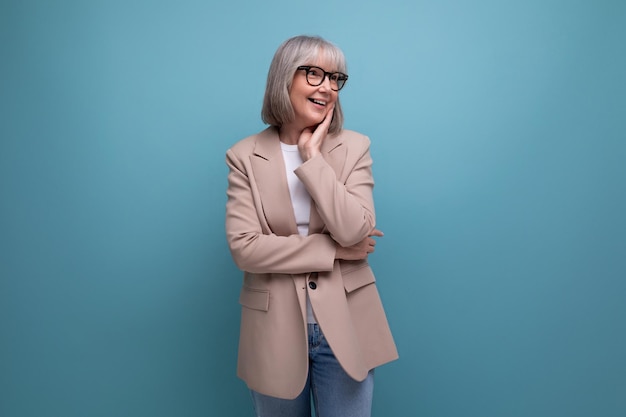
299,223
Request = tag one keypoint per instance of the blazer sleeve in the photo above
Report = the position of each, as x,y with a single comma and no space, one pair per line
345,202
253,246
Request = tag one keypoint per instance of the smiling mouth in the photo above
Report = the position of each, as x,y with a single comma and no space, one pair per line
319,102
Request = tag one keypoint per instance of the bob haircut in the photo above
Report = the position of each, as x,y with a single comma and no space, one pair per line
299,50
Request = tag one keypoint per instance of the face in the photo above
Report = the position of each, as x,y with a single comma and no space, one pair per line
311,104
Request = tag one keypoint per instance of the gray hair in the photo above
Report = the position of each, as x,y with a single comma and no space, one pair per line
299,50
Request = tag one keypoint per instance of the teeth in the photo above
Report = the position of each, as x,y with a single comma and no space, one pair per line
320,102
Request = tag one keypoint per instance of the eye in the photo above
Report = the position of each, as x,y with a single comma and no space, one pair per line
335,76
315,72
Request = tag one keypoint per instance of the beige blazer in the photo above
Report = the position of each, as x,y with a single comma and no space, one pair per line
280,266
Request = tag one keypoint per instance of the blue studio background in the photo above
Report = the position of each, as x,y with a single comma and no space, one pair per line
498,135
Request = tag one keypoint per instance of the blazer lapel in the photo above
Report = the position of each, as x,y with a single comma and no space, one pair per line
271,181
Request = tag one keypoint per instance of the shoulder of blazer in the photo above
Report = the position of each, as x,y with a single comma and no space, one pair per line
355,144
346,134
250,144
351,139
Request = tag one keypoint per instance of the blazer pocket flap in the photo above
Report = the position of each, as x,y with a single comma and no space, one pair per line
357,278
255,299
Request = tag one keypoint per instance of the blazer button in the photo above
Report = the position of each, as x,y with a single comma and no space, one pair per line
312,285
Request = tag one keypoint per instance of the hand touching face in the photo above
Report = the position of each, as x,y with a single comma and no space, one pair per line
311,139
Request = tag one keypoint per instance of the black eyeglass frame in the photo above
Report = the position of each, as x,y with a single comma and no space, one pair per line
341,77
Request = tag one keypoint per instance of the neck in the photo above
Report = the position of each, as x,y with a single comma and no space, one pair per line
289,134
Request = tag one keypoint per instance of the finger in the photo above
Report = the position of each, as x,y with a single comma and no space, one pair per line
330,113
376,232
329,117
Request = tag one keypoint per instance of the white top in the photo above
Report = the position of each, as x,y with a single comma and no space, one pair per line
300,200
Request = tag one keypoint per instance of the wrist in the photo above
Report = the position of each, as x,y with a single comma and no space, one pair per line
307,154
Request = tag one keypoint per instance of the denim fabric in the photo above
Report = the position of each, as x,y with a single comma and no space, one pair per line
334,393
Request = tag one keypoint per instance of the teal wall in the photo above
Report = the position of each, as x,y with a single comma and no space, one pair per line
498,132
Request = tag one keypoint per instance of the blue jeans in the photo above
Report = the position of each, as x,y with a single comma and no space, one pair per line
334,393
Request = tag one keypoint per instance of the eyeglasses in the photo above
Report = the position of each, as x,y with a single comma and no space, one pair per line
315,76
